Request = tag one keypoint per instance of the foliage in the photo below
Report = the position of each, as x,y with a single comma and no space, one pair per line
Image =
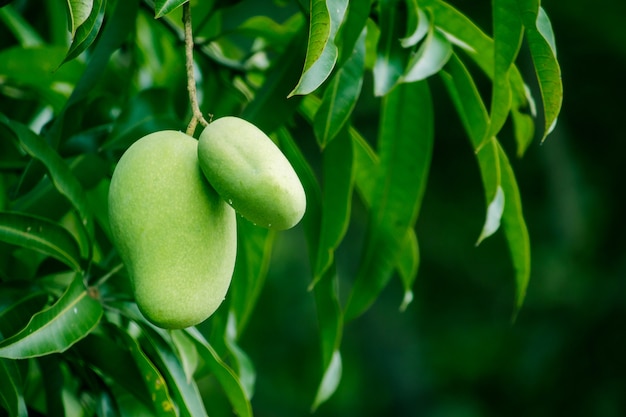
70,108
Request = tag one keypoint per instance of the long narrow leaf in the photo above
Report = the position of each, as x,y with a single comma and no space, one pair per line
254,250
431,56
163,7
405,147
325,18
341,95
515,231
64,181
79,11
15,317
87,31
185,392
223,373
336,200
507,36
391,57
42,235
11,392
329,312
543,51
58,327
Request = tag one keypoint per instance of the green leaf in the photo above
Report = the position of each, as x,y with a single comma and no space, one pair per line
16,316
270,106
407,265
241,362
430,57
405,146
163,7
153,380
391,57
254,250
321,55
79,11
34,68
25,34
87,31
185,392
57,327
187,353
417,26
223,373
351,29
329,313
330,381
515,230
337,189
341,95
41,235
507,28
501,191
151,110
118,25
121,366
543,51
64,181
11,392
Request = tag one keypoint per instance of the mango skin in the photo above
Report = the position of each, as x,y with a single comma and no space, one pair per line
251,173
176,236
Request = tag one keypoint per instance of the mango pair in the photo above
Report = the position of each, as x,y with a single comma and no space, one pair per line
172,205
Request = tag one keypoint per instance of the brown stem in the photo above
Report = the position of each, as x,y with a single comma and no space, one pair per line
196,114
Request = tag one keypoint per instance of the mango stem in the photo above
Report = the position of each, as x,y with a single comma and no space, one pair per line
196,113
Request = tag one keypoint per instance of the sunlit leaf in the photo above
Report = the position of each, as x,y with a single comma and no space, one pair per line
185,392
223,373
341,95
330,381
11,391
507,28
429,58
418,25
321,55
391,57
87,31
187,353
405,144
163,7
57,327
79,11
543,51
41,235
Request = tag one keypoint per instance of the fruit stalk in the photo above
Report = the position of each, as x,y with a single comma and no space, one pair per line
196,113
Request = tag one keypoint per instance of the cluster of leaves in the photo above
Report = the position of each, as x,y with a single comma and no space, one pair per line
296,70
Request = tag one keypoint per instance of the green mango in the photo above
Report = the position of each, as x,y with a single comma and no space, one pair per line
251,173
175,234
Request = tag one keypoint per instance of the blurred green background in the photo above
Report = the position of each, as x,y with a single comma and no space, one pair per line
454,352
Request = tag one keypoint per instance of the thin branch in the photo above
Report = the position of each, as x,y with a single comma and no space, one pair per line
196,114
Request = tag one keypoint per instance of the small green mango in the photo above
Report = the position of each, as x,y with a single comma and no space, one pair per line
251,173
175,234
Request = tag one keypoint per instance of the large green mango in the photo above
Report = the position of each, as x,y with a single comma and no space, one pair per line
250,172
176,236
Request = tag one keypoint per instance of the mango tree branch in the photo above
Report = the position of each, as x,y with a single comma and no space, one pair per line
196,114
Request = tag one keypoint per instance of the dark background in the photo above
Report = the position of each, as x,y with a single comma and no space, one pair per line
454,352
